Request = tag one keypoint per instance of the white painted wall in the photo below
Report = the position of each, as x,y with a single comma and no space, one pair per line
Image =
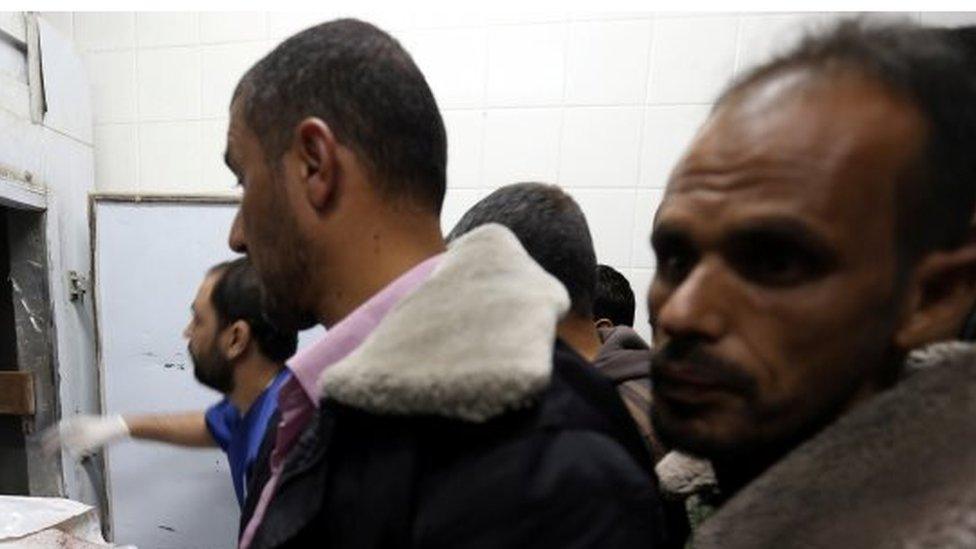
601,104
59,154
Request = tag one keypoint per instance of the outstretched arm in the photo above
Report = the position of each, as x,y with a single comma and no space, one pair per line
184,429
82,435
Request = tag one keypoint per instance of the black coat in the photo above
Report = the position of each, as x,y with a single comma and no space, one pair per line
459,422
568,471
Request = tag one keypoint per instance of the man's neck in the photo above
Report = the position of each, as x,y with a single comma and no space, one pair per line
374,260
580,334
251,377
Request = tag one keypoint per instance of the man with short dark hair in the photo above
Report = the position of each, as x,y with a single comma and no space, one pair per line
813,234
623,352
614,303
553,230
425,417
236,351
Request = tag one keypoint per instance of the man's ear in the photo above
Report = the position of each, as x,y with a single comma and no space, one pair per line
942,292
316,148
238,337
604,323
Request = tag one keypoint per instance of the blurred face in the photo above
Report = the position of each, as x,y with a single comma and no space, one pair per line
203,334
266,228
775,302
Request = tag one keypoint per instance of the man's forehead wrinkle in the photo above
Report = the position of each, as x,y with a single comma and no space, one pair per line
745,170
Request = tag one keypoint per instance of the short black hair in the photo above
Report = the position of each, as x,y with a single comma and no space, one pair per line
614,299
367,88
552,229
928,68
237,295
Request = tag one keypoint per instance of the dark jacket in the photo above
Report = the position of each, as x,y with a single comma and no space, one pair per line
896,471
459,423
626,359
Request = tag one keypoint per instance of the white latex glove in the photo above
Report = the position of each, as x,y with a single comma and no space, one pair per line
84,435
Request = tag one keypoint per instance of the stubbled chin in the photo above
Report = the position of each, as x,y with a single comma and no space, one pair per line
692,433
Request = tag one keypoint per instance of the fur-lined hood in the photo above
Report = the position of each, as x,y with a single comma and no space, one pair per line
472,342
896,471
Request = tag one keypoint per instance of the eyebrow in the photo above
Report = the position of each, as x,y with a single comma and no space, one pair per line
781,228
784,229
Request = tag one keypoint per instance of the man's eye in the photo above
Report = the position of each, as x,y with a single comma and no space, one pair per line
673,265
775,265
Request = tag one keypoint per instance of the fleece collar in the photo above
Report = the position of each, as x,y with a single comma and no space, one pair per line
472,342
681,475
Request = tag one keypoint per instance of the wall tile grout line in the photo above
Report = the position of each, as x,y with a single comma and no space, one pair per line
643,138
561,134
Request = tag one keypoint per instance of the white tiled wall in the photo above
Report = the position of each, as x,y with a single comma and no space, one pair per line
602,104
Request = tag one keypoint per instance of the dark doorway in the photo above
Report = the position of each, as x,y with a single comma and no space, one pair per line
13,454
28,383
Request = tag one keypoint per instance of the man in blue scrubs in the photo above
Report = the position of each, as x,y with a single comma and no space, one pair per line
236,351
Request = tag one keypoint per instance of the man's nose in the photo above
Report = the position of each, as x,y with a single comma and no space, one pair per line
696,306
236,238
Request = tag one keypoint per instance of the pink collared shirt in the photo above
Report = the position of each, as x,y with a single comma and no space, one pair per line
298,398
